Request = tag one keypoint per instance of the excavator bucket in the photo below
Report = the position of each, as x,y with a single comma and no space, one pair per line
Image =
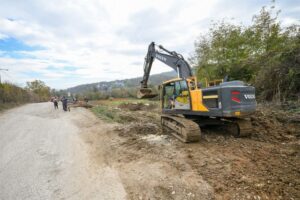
145,93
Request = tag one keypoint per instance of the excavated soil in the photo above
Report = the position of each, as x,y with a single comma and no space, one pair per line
155,165
137,106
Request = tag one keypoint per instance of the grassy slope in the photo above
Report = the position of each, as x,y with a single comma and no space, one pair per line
109,110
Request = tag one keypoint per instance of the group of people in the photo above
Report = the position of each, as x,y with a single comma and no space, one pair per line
64,101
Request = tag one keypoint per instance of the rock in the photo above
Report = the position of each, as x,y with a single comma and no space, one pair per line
257,197
189,194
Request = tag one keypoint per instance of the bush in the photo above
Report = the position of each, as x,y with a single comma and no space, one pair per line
10,93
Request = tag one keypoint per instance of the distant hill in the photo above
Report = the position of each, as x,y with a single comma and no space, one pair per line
126,83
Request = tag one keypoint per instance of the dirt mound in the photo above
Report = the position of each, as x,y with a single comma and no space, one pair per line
275,125
137,106
263,166
81,104
138,128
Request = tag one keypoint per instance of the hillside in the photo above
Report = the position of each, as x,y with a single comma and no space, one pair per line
126,83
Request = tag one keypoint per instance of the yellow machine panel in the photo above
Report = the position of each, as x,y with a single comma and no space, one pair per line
184,98
197,104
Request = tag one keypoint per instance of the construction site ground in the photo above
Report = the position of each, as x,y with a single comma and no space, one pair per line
263,166
117,150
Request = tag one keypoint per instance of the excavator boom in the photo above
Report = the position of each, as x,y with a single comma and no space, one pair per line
170,58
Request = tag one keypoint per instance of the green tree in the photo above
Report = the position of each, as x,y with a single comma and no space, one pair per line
40,89
264,54
10,93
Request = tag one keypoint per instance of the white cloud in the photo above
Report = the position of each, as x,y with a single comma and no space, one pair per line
2,36
105,40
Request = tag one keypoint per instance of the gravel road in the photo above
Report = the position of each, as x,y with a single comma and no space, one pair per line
42,156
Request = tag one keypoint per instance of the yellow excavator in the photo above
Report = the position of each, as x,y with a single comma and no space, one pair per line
186,106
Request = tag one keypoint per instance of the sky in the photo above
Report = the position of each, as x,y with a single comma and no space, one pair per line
70,42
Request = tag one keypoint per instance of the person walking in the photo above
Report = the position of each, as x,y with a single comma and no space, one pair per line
64,101
86,99
55,103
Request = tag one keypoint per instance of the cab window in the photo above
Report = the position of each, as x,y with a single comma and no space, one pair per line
168,95
177,88
169,89
183,86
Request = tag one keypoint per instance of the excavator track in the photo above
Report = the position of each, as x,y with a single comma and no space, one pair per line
183,129
245,128
241,127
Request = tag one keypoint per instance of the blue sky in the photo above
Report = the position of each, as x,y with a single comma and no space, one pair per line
89,41
12,44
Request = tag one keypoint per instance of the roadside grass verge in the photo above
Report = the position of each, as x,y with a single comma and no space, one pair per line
106,113
6,106
123,110
118,101
112,114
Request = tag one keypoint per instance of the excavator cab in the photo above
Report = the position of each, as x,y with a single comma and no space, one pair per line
175,95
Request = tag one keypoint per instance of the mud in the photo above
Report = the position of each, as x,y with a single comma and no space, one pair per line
263,166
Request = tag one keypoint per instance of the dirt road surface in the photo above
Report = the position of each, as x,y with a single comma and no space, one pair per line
42,156
51,154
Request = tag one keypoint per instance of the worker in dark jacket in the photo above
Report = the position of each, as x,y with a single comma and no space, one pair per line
55,103
64,101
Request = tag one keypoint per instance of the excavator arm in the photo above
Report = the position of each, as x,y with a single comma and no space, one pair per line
170,58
